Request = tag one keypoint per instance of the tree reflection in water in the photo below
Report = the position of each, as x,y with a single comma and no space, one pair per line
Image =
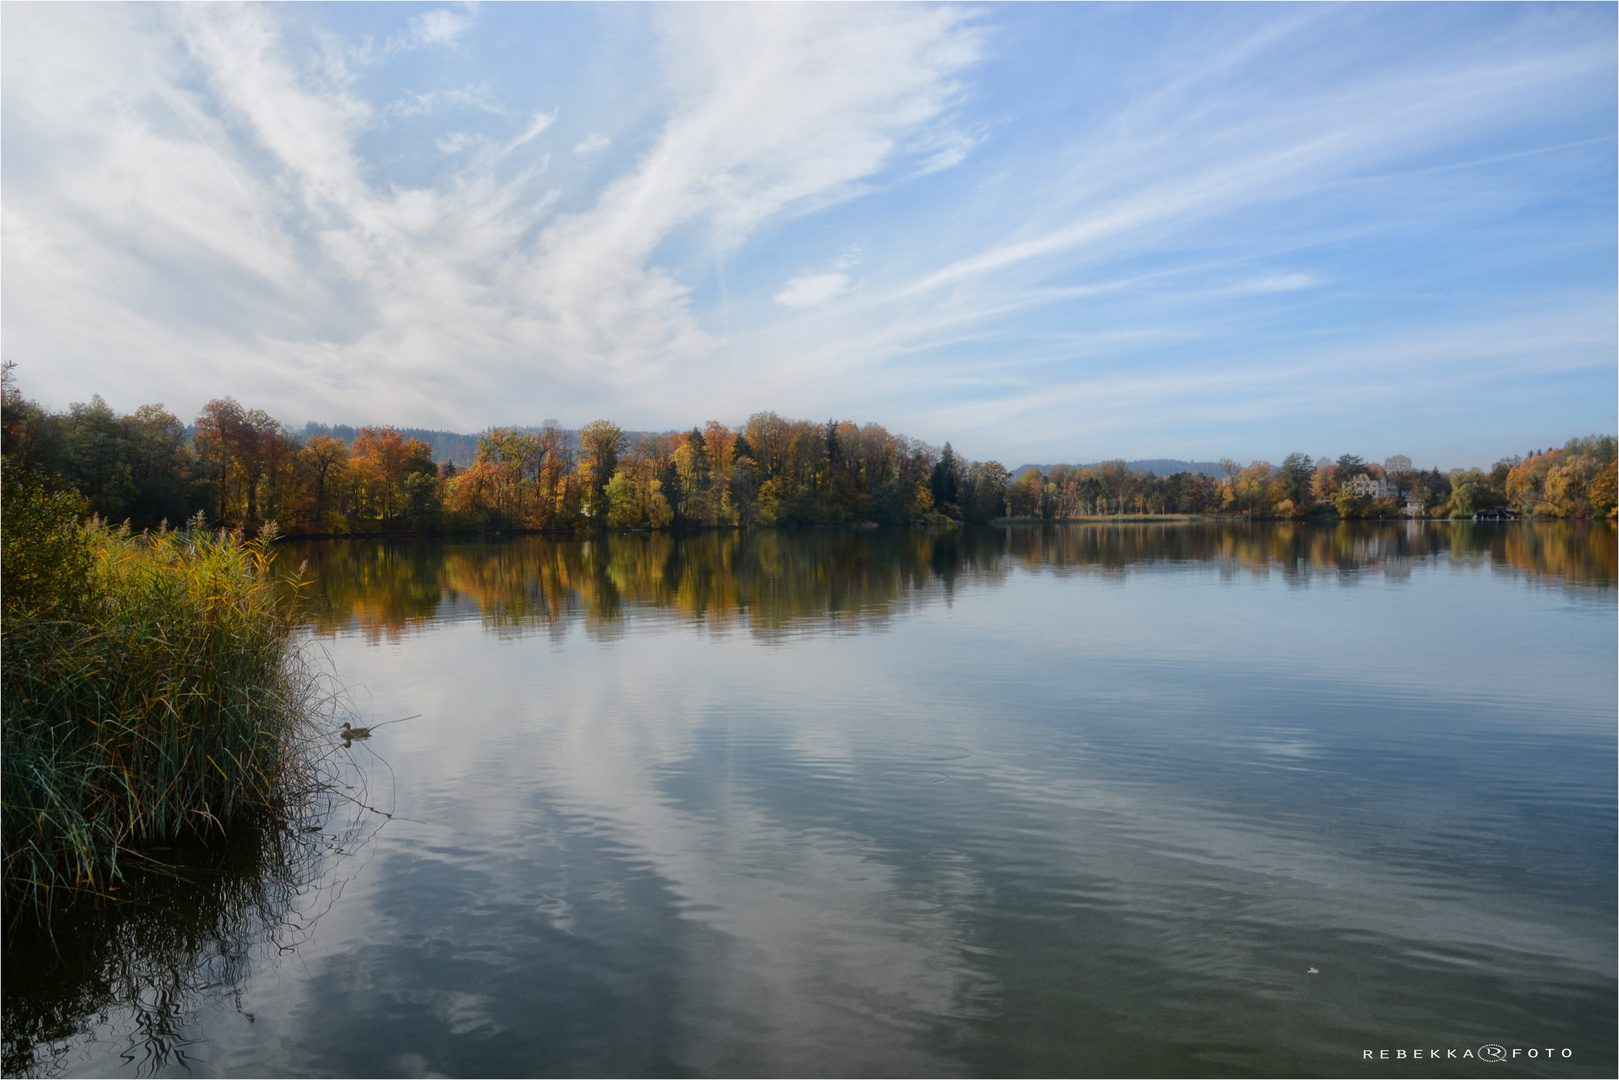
188,924
769,581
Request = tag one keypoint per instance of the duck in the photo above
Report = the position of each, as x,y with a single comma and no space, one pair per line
355,732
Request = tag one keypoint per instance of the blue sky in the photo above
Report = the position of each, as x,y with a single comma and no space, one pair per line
1042,232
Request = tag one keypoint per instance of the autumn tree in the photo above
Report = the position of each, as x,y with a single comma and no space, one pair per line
1295,476
551,468
1470,493
983,491
946,478
227,446
600,444
380,462
278,449
323,463
691,496
511,456
1604,491
1026,496
723,452
1324,482
1252,492
635,493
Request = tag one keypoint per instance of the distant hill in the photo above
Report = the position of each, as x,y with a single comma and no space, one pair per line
450,445
1156,466
447,445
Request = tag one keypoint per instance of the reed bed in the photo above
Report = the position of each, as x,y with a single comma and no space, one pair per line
185,931
167,700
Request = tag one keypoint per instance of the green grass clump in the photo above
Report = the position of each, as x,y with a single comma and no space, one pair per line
161,696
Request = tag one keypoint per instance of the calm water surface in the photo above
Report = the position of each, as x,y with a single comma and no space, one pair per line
1067,800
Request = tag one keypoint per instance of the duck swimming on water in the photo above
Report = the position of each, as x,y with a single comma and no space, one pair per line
355,732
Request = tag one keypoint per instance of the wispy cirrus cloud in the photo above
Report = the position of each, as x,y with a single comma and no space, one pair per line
354,232
777,106
478,96
1273,283
438,27
812,289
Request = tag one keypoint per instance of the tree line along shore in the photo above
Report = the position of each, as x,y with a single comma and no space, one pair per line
240,468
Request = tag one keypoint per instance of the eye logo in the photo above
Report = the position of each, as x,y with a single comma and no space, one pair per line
1492,1052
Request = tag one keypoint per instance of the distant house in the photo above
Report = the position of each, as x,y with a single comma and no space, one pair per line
1414,507
1371,487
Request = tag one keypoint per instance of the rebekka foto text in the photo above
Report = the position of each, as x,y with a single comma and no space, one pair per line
1487,1052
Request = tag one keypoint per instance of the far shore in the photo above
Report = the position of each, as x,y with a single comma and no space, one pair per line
1092,519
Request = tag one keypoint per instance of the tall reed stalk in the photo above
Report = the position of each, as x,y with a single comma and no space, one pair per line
166,700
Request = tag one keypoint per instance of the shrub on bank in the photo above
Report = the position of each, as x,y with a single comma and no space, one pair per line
151,689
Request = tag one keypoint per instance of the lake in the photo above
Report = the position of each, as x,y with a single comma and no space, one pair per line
1116,799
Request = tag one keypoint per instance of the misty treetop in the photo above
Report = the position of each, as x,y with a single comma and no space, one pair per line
242,467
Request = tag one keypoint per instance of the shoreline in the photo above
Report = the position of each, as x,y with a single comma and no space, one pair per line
865,526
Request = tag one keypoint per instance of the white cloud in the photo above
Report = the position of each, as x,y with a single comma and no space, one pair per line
439,27
534,130
479,96
812,289
778,107
254,252
455,142
1276,283
592,143
1193,151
